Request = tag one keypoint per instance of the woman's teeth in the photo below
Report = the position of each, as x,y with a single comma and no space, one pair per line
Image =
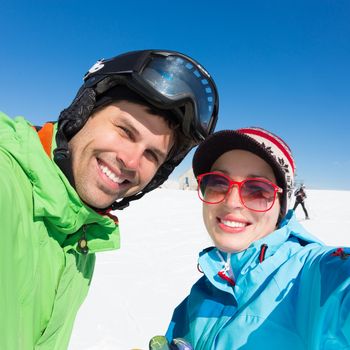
233,223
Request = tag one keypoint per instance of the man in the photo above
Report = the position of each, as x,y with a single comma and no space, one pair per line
300,197
132,122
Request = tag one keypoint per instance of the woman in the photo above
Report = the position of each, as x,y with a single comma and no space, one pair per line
267,283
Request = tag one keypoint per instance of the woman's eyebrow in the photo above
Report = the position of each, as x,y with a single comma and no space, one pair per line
252,175
259,176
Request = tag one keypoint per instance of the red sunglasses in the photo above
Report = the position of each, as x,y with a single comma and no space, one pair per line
255,194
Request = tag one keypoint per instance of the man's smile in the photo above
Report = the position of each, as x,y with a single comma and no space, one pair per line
111,175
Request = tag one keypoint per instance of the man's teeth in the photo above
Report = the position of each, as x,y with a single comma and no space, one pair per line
233,223
111,175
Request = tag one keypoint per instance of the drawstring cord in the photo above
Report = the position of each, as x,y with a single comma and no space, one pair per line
199,268
108,212
263,249
340,252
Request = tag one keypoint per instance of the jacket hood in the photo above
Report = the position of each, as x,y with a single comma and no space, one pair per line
54,199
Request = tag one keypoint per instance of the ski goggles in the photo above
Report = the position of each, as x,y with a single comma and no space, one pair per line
167,80
255,194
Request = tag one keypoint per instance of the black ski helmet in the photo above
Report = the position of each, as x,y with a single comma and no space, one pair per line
167,80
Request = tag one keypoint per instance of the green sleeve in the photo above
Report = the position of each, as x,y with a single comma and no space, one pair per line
12,279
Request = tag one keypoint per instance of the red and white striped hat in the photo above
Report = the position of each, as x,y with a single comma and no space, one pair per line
261,142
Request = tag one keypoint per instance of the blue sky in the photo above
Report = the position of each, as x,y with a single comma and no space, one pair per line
282,65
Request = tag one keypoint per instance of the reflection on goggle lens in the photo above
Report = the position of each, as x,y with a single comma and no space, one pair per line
255,194
177,78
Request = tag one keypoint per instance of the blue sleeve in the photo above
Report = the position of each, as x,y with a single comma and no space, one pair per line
178,327
335,290
325,293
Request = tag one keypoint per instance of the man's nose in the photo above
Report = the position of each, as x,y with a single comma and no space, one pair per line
131,157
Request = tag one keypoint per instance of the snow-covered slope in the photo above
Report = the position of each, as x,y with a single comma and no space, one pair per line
135,289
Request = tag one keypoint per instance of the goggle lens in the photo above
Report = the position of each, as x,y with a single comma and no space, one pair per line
177,79
255,194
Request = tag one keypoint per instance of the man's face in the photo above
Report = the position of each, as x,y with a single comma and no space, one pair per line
117,152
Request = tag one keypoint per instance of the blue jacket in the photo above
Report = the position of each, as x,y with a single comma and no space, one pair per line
290,292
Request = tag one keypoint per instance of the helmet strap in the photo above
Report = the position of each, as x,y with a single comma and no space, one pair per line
62,156
125,202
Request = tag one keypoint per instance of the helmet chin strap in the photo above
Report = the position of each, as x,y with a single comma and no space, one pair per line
125,202
71,120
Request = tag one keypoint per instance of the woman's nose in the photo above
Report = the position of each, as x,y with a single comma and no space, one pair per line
232,197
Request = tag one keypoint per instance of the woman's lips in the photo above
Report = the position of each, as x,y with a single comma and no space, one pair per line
232,225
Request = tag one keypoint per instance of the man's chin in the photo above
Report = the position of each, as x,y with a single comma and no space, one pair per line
100,203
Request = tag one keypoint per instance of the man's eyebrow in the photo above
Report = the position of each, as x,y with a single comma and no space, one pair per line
130,126
160,155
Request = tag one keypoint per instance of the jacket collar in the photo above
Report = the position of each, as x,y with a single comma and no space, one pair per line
56,201
247,269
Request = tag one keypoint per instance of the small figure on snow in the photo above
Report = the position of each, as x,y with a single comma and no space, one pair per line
300,196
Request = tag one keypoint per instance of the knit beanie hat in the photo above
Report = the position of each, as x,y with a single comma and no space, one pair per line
263,143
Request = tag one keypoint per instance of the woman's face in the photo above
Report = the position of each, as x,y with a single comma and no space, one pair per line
231,226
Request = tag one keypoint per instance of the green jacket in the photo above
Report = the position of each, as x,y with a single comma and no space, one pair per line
44,277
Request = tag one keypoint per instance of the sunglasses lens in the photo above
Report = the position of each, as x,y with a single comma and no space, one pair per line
213,188
258,195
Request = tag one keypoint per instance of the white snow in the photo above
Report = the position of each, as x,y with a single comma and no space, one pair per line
135,289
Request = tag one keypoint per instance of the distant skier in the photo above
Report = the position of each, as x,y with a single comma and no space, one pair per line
300,197
187,183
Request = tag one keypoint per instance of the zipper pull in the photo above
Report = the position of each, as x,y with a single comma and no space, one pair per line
222,274
82,243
